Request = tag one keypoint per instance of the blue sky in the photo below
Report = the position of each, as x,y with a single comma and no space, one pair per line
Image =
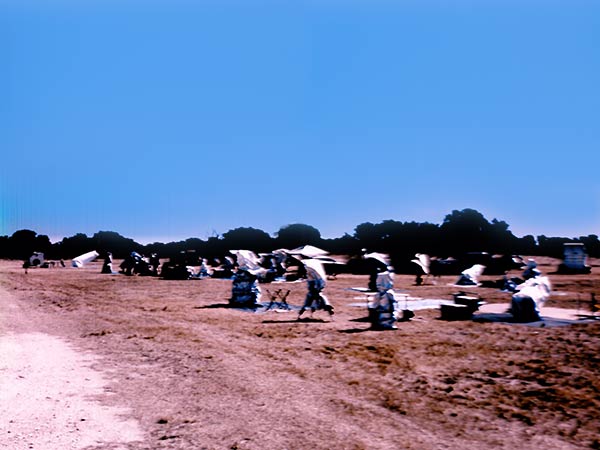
164,120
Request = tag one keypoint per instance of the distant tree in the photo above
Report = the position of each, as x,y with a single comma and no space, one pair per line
161,249
345,245
248,239
191,244
110,241
192,247
426,238
552,246
215,248
390,233
43,244
500,239
592,245
295,235
401,240
4,247
195,243
463,231
23,243
71,247
526,245
469,231
369,236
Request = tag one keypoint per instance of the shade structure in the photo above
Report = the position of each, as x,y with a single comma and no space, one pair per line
382,258
308,251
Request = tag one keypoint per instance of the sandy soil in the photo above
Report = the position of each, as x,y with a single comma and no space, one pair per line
194,374
47,393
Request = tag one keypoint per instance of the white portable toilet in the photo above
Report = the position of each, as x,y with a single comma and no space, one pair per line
575,258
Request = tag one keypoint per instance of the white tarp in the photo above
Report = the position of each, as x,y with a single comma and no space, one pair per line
470,276
247,260
85,258
308,251
538,288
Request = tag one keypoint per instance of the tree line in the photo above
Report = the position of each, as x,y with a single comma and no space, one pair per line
461,232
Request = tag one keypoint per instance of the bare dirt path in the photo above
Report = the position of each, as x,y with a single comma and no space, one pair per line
49,395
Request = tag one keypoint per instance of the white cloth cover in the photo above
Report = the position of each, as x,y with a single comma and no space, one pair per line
246,259
470,276
529,298
85,258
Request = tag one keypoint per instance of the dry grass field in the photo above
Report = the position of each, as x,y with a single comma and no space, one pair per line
199,375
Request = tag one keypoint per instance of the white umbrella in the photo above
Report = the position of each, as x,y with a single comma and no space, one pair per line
381,257
308,251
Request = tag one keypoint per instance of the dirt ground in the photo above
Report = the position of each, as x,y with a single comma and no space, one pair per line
194,374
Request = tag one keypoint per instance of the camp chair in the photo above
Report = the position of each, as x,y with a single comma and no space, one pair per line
278,298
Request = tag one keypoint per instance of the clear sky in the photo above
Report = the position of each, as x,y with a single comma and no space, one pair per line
163,120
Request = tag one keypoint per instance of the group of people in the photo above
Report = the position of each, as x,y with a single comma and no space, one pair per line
529,294
382,307
134,264
245,291
247,270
